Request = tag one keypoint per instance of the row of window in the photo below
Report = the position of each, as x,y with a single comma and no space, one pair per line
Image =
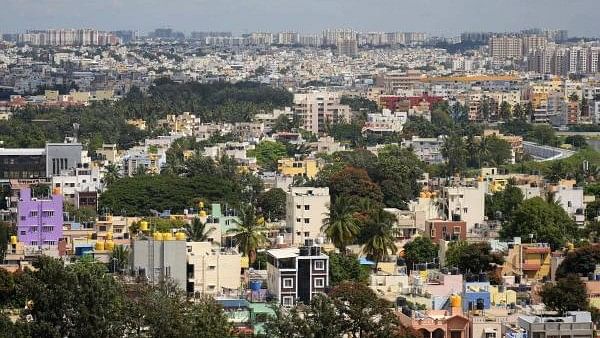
318,282
45,243
306,206
35,213
306,220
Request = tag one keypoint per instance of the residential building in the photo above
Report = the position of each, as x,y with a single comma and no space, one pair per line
428,150
385,122
465,203
446,230
576,324
317,109
158,259
296,275
39,220
211,269
307,167
307,208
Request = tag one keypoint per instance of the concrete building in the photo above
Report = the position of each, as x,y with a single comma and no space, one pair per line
39,221
428,150
506,47
295,275
576,324
465,203
159,260
385,122
317,109
212,270
298,167
307,207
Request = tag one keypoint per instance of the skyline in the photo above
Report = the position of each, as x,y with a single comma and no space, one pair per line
436,17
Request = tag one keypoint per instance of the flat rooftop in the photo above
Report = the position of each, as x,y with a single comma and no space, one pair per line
22,151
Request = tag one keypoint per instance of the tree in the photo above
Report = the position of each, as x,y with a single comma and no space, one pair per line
502,204
300,320
119,259
505,110
419,250
378,235
209,319
249,232
340,225
576,141
567,294
472,257
455,152
272,203
111,174
5,232
547,222
198,231
354,183
581,261
78,300
363,314
267,154
544,134
344,268
397,173
496,151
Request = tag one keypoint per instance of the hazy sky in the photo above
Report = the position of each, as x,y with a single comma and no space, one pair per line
440,17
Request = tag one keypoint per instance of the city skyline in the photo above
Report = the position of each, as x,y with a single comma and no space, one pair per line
441,18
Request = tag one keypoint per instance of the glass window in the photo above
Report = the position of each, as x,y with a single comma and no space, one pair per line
288,282
288,301
319,282
319,265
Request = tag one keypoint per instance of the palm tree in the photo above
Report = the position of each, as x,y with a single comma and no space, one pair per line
340,225
119,258
197,231
111,174
249,233
379,235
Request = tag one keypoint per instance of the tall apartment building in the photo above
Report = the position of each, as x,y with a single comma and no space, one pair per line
533,42
317,109
297,274
348,47
307,208
331,36
69,37
39,221
287,38
564,60
261,39
465,203
506,47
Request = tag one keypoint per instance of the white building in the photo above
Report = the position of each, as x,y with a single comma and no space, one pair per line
307,207
465,203
317,109
212,270
429,150
385,122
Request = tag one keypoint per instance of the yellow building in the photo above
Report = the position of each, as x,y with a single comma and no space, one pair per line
502,296
536,261
295,167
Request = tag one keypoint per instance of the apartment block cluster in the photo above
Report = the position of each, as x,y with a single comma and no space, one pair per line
68,37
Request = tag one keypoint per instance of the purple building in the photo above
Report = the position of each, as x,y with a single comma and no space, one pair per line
39,221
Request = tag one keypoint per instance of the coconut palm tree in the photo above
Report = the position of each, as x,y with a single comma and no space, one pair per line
249,232
119,258
197,231
340,225
379,235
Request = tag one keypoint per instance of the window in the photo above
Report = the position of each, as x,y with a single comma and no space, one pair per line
457,230
306,234
307,220
48,213
288,283
47,228
23,218
211,267
288,301
298,220
465,210
57,185
319,265
23,233
307,207
34,243
33,213
298,206
432,232
319,282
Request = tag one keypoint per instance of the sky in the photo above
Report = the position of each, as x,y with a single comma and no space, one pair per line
437,17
